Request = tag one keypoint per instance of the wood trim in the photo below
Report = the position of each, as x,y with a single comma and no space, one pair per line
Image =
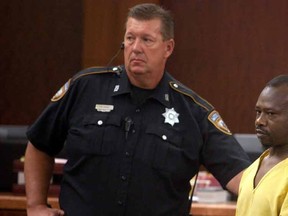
12,202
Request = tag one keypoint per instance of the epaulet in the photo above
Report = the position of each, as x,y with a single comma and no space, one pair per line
98,70
214,117
179,87
88,71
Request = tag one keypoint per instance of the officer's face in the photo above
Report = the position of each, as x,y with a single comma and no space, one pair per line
272,116
145,52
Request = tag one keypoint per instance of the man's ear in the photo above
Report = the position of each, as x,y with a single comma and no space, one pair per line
169,47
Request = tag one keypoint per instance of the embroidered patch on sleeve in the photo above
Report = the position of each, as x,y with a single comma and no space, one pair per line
216,120
61,92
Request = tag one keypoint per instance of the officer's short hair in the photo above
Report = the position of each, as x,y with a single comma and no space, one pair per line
149,11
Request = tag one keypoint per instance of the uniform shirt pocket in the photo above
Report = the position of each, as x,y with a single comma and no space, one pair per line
167,147
97,134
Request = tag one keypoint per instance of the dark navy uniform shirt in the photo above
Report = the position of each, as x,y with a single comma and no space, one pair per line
129,159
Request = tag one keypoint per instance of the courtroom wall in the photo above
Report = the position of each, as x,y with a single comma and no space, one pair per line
40,48
225,50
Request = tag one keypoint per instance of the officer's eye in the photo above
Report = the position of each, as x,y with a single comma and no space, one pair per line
129,38
148,41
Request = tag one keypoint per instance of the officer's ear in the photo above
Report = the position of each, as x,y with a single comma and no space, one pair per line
169,47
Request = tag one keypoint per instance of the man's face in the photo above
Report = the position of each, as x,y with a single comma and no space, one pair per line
145,52
272,116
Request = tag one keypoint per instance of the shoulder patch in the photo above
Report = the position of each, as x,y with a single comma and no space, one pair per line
61,92
88,71
179,87
215,118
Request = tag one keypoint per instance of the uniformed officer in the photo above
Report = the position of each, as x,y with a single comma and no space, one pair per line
134,135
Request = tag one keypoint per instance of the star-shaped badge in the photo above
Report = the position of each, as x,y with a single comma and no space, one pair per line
171,116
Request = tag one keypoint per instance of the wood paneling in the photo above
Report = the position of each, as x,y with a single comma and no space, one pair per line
104,30
227,50
41,47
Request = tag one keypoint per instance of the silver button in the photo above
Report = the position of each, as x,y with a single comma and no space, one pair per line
100,122
164,137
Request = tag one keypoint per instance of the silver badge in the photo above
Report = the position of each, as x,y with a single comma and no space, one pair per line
171,116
